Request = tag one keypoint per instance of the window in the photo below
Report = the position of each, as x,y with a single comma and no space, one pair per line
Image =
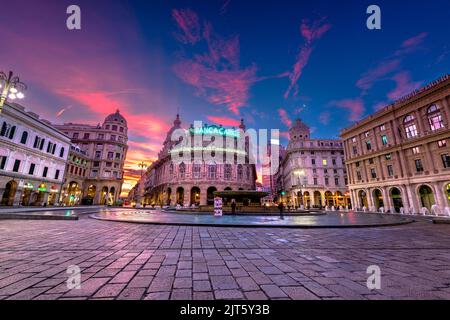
76,170
118,156
121,129
49,147
96,164
86,136
357,164
98,154
416,150
334,171
61,152
2,162
227,171
24,138
182,169
373,173
315,181
42,144
371,161
71,169
367,133
390,170
354,139
7,130
44,173
113,137
114,127
16,166
56,174
355,150
239,172
196,170
107,127
32,167
410,126
368,145
325,170
388,156
212,169
333,161
75,135
446,160
382,127
336,181
384,140
312,152
358,175
110,155
171,169
442,143
101,136
314,170
313,161
109,164
120,139
434,118
419,167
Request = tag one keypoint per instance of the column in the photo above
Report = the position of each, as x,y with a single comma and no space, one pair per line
439,196
414,205
369,196
419,122
386,200
203,196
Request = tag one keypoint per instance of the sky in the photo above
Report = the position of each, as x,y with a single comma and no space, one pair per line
268,62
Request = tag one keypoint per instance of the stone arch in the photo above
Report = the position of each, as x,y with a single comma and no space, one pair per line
9,193
378,200
317,198
307,198
112,195
195,196
328,198
180,196
210,195
168,196
362,197
395,194
104,195
227,189
426,196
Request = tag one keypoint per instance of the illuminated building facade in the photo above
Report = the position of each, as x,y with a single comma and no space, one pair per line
193,182
399,157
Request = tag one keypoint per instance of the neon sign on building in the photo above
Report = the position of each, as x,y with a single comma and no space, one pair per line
214,130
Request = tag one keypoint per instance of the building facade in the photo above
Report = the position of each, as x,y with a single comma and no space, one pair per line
105,148
77,171
398,158
33,157
193,183
313,171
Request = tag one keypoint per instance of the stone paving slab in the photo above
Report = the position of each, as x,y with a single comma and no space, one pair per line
144,261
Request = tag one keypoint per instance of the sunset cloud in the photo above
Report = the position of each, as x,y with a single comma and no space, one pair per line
285,118
216,73
230,122
310,33
403,85
187,21
354,106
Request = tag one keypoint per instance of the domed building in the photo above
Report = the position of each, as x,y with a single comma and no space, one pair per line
193,182
102,150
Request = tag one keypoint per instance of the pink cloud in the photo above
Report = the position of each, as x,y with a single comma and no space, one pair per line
216,74
404,85
324,117
224,121
371,76
285,118
310,34
355,106
411,44
188,22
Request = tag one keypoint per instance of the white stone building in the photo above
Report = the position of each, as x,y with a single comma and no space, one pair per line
313,171
33,157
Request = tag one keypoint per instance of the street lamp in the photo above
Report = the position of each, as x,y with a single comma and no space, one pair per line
11,88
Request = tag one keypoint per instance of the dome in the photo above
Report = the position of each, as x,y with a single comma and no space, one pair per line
116,117
299,130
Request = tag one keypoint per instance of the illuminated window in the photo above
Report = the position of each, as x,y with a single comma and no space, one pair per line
434,118
416,150
324,162
442,143
410,126
384,140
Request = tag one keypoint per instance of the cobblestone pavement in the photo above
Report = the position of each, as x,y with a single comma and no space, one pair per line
137,261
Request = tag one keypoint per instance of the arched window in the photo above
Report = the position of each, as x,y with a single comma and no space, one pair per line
182,169
410,126
434,117
240,172
196,170
61,152
171,170
227,171
212,171
24,138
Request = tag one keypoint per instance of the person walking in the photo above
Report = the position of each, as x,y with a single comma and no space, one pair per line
281,208
233,206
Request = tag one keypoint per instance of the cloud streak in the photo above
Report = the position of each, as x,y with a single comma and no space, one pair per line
310,34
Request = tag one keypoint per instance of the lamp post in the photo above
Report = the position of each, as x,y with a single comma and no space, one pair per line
11,88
